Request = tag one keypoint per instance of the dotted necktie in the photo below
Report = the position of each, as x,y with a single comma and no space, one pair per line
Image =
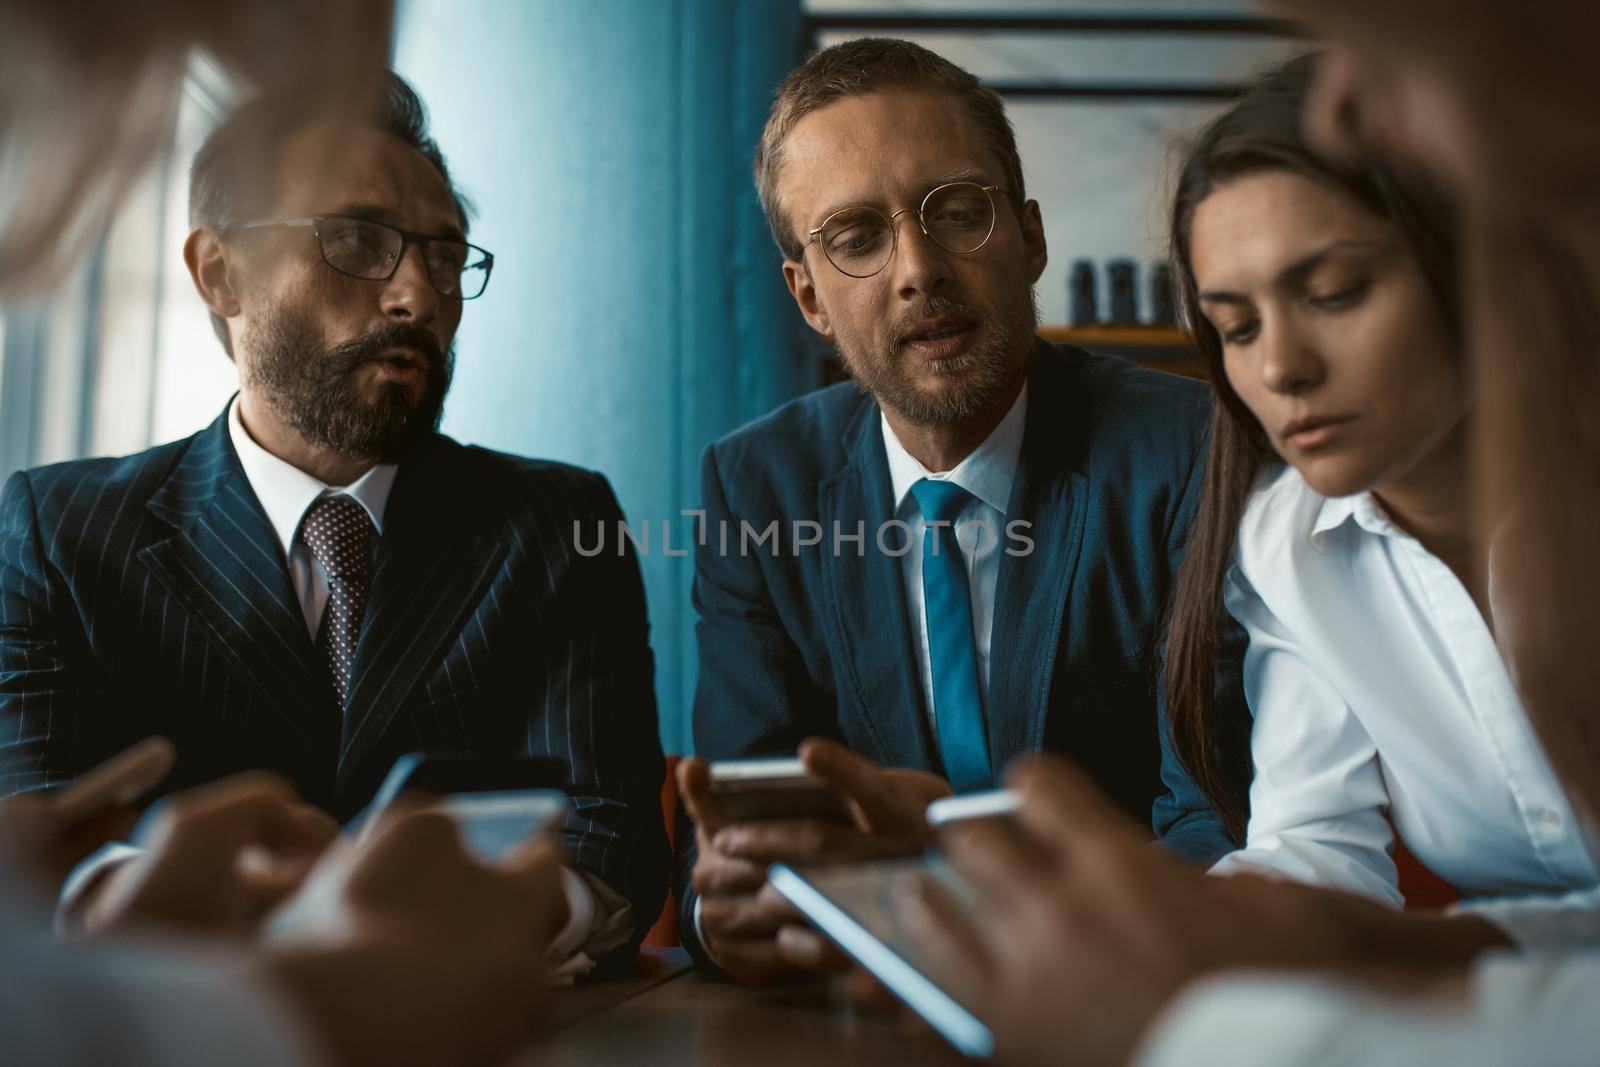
952,656
339,534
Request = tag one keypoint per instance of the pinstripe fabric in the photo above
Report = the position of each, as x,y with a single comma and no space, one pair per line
148,594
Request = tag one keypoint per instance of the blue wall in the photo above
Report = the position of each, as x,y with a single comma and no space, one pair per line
636,311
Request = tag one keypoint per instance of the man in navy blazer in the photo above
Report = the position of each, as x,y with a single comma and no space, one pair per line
963,555
320,582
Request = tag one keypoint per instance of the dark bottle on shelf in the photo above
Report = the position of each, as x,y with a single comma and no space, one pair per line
1163,309
1124,295
1082,300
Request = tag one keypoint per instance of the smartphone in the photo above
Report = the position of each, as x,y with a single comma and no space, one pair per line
497,802
753,789
854,906
992,804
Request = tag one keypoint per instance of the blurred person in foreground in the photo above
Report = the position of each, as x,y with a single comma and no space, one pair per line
407,950
1098,949
422,955
89,93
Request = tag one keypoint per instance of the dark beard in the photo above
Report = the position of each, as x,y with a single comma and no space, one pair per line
996,362
314,390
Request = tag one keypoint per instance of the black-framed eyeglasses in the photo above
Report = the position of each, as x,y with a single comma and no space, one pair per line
372,251
860,241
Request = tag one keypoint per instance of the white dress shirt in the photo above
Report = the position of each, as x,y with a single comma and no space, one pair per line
286,493
1377,690
980,530
1516,1010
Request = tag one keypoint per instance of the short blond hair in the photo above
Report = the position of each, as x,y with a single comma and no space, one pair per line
857,68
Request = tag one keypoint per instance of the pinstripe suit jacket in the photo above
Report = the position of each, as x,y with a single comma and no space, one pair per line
149,595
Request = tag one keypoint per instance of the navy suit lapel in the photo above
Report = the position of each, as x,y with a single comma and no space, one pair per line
1049,493
866,593
437,557
223,563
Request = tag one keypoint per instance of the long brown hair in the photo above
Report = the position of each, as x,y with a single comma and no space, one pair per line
1260,132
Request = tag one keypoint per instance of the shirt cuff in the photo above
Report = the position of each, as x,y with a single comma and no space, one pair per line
580,916
84,877
1542,923
1314,863
700,935
599,919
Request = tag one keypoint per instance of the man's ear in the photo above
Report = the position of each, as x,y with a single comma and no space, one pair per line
208,261
798,277
1033,239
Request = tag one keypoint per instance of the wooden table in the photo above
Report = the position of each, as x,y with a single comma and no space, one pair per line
671,1016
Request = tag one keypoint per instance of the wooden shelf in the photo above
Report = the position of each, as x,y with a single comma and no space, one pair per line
1164,348
1141,336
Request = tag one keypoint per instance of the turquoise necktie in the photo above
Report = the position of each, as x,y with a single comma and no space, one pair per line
952,657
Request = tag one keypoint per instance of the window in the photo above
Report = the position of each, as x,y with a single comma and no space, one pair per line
122,355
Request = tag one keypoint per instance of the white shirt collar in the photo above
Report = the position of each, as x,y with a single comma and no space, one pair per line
1363,508
286,491
987,473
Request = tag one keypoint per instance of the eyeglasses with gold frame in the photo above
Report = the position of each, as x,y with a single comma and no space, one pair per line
861,241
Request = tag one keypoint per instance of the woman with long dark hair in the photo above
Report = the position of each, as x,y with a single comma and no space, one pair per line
1337,525
1096,948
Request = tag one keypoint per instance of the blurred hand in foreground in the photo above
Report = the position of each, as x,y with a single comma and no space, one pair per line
1087,932
409,950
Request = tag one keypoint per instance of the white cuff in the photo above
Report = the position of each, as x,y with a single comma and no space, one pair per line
599,919
84,876
700,934
1542,923
580,916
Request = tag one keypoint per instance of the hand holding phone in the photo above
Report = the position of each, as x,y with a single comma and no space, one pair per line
752,932
760,789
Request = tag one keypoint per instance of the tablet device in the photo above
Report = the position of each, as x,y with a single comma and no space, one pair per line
497,802
854,906
773,789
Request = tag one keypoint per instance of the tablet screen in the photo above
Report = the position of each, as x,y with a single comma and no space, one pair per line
856,907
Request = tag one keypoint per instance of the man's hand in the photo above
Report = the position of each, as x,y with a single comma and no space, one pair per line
751,931
417,952
1087,932
219,858
45,833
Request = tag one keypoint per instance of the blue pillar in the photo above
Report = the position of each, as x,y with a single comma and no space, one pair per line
637,311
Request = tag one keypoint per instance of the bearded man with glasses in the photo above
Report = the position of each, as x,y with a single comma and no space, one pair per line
320,582
962,555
